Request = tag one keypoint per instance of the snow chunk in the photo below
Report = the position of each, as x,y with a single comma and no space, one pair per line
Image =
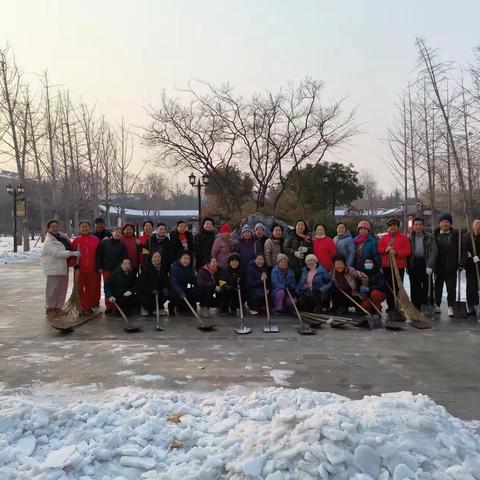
280,376
27,445
62,458
367,460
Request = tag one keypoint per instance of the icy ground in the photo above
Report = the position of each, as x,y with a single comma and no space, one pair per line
7,255
272,433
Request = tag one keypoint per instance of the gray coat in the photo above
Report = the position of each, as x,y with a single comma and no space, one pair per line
430,249
345,247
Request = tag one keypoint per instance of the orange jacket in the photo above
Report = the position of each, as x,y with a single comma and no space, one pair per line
88,250
401,244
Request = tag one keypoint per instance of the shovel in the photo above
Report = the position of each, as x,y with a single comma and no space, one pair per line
204,327
244,329
268,328
429,309
158,326
374,321
303,329
128,327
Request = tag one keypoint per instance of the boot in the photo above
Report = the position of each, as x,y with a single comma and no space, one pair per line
204,312
51,312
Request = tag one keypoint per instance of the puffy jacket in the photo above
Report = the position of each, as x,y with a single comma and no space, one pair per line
202,244
180,277
364,250
430,250
88,252
119,282
221,250
228,278
133,250
346,247
281,280
401,244
110,253
271,249
355,278
247,250
292,243
163,245
324,249
207,279
253,279
54,255
177,245
376,280
321,281
468,252
447,257
152,279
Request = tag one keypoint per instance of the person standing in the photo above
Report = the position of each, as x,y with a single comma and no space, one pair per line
421,264
297,246
260,233
344,244
55,252
147,240
88,276
181,240
366,246
393,245
162,244
323,247
446,266
248,246
109,255
100,231
203,242
471,263
273,246
132,244
223,245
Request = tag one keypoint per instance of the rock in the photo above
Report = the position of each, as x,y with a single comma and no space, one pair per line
367,460
61,458
402,472
27,445
253,467
266,220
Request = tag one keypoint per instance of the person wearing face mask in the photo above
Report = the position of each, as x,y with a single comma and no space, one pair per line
375,291
182,240
203,242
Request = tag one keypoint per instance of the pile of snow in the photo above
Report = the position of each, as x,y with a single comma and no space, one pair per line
271,434
7,255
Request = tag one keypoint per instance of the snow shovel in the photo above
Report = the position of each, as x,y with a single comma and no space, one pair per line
374,321
244,329
205,327
157,326
268,328
303,329
128,327
477,273
429,309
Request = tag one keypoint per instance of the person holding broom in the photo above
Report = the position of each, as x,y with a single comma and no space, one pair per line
471,263
120,286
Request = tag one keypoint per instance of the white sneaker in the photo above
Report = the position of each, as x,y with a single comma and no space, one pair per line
253,312
438,309
143,312
450,311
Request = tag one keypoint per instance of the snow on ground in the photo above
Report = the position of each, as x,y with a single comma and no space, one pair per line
7,255
272,434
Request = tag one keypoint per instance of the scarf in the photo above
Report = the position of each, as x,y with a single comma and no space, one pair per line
360,239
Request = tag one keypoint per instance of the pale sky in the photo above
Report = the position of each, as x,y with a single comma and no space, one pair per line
120,54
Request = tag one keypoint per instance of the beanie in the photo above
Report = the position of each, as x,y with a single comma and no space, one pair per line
247,228
363,224
311,256
233,256
260,225
281,256
446,216
225,228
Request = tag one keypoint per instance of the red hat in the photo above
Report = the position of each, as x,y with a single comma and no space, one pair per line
225,228
363,224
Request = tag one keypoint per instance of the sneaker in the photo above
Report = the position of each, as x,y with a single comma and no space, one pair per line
438,309
253,312
205,312
450,311
144,312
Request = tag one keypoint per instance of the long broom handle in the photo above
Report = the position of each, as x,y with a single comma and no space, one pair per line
195,314
122,313
394,290
356,303
240,303
266,299
477,269
302,325
156,308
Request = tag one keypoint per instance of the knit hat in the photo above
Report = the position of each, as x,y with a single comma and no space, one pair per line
393,220
446,216
260,225
246,228
225,228
363,224
310,256
281,256
233,256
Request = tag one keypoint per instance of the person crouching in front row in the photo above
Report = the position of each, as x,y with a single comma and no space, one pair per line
182,285
282,278
120,286
153,282
229,281
376,293
314,286
208,286
255,278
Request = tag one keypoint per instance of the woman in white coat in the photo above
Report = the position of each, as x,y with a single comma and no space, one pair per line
55,252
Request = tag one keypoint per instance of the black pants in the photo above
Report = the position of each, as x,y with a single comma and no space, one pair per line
228,300
127,304
180,304
450,280
339,300
387,274
148,301
309,301
472,287
255,300
419,284
205,295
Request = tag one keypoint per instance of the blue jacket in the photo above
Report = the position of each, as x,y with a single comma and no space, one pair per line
247,250
253,280
321,281
180,276
369,250
345,247
280,281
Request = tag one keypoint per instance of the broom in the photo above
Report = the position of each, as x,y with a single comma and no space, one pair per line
72,306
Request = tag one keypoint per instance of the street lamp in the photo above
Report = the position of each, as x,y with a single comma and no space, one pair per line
203,182
331,181
15,191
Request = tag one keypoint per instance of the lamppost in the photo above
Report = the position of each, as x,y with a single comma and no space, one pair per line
402,212
199,184
419,209
331,181
14,191
119,216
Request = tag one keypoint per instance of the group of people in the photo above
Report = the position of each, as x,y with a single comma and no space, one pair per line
215,270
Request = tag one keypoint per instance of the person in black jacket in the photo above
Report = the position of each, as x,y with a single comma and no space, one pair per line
375,291
153,280
120,286
446,265
100,231
471,263
181,240
182,284
108,257
228,280
203,241
162,244
208,286
255,277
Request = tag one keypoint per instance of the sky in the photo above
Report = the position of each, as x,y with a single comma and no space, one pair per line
120,55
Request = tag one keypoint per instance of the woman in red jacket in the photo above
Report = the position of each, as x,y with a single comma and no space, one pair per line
132,244
88,276
323,247
393,244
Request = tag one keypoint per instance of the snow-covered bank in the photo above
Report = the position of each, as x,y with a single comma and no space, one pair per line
7,255
272,433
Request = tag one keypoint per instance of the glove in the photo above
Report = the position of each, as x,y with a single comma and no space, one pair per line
429,271
476,259
128,293
218,289
75,253
298,254
165,292
364,289
263,276
469,255
112,299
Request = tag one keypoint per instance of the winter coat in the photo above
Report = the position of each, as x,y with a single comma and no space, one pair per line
202,244
401,244
321,281
180,277
105,233
133,250
468,251
282,280
271,249
430,250
177,245
110,253
221,250
247,250
324,249
447,257
119,282
147,246
152,279
253,280
54,255
355,278
164,247
88,252
291,245
206,280
346,247
376,281
228,278
367,249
